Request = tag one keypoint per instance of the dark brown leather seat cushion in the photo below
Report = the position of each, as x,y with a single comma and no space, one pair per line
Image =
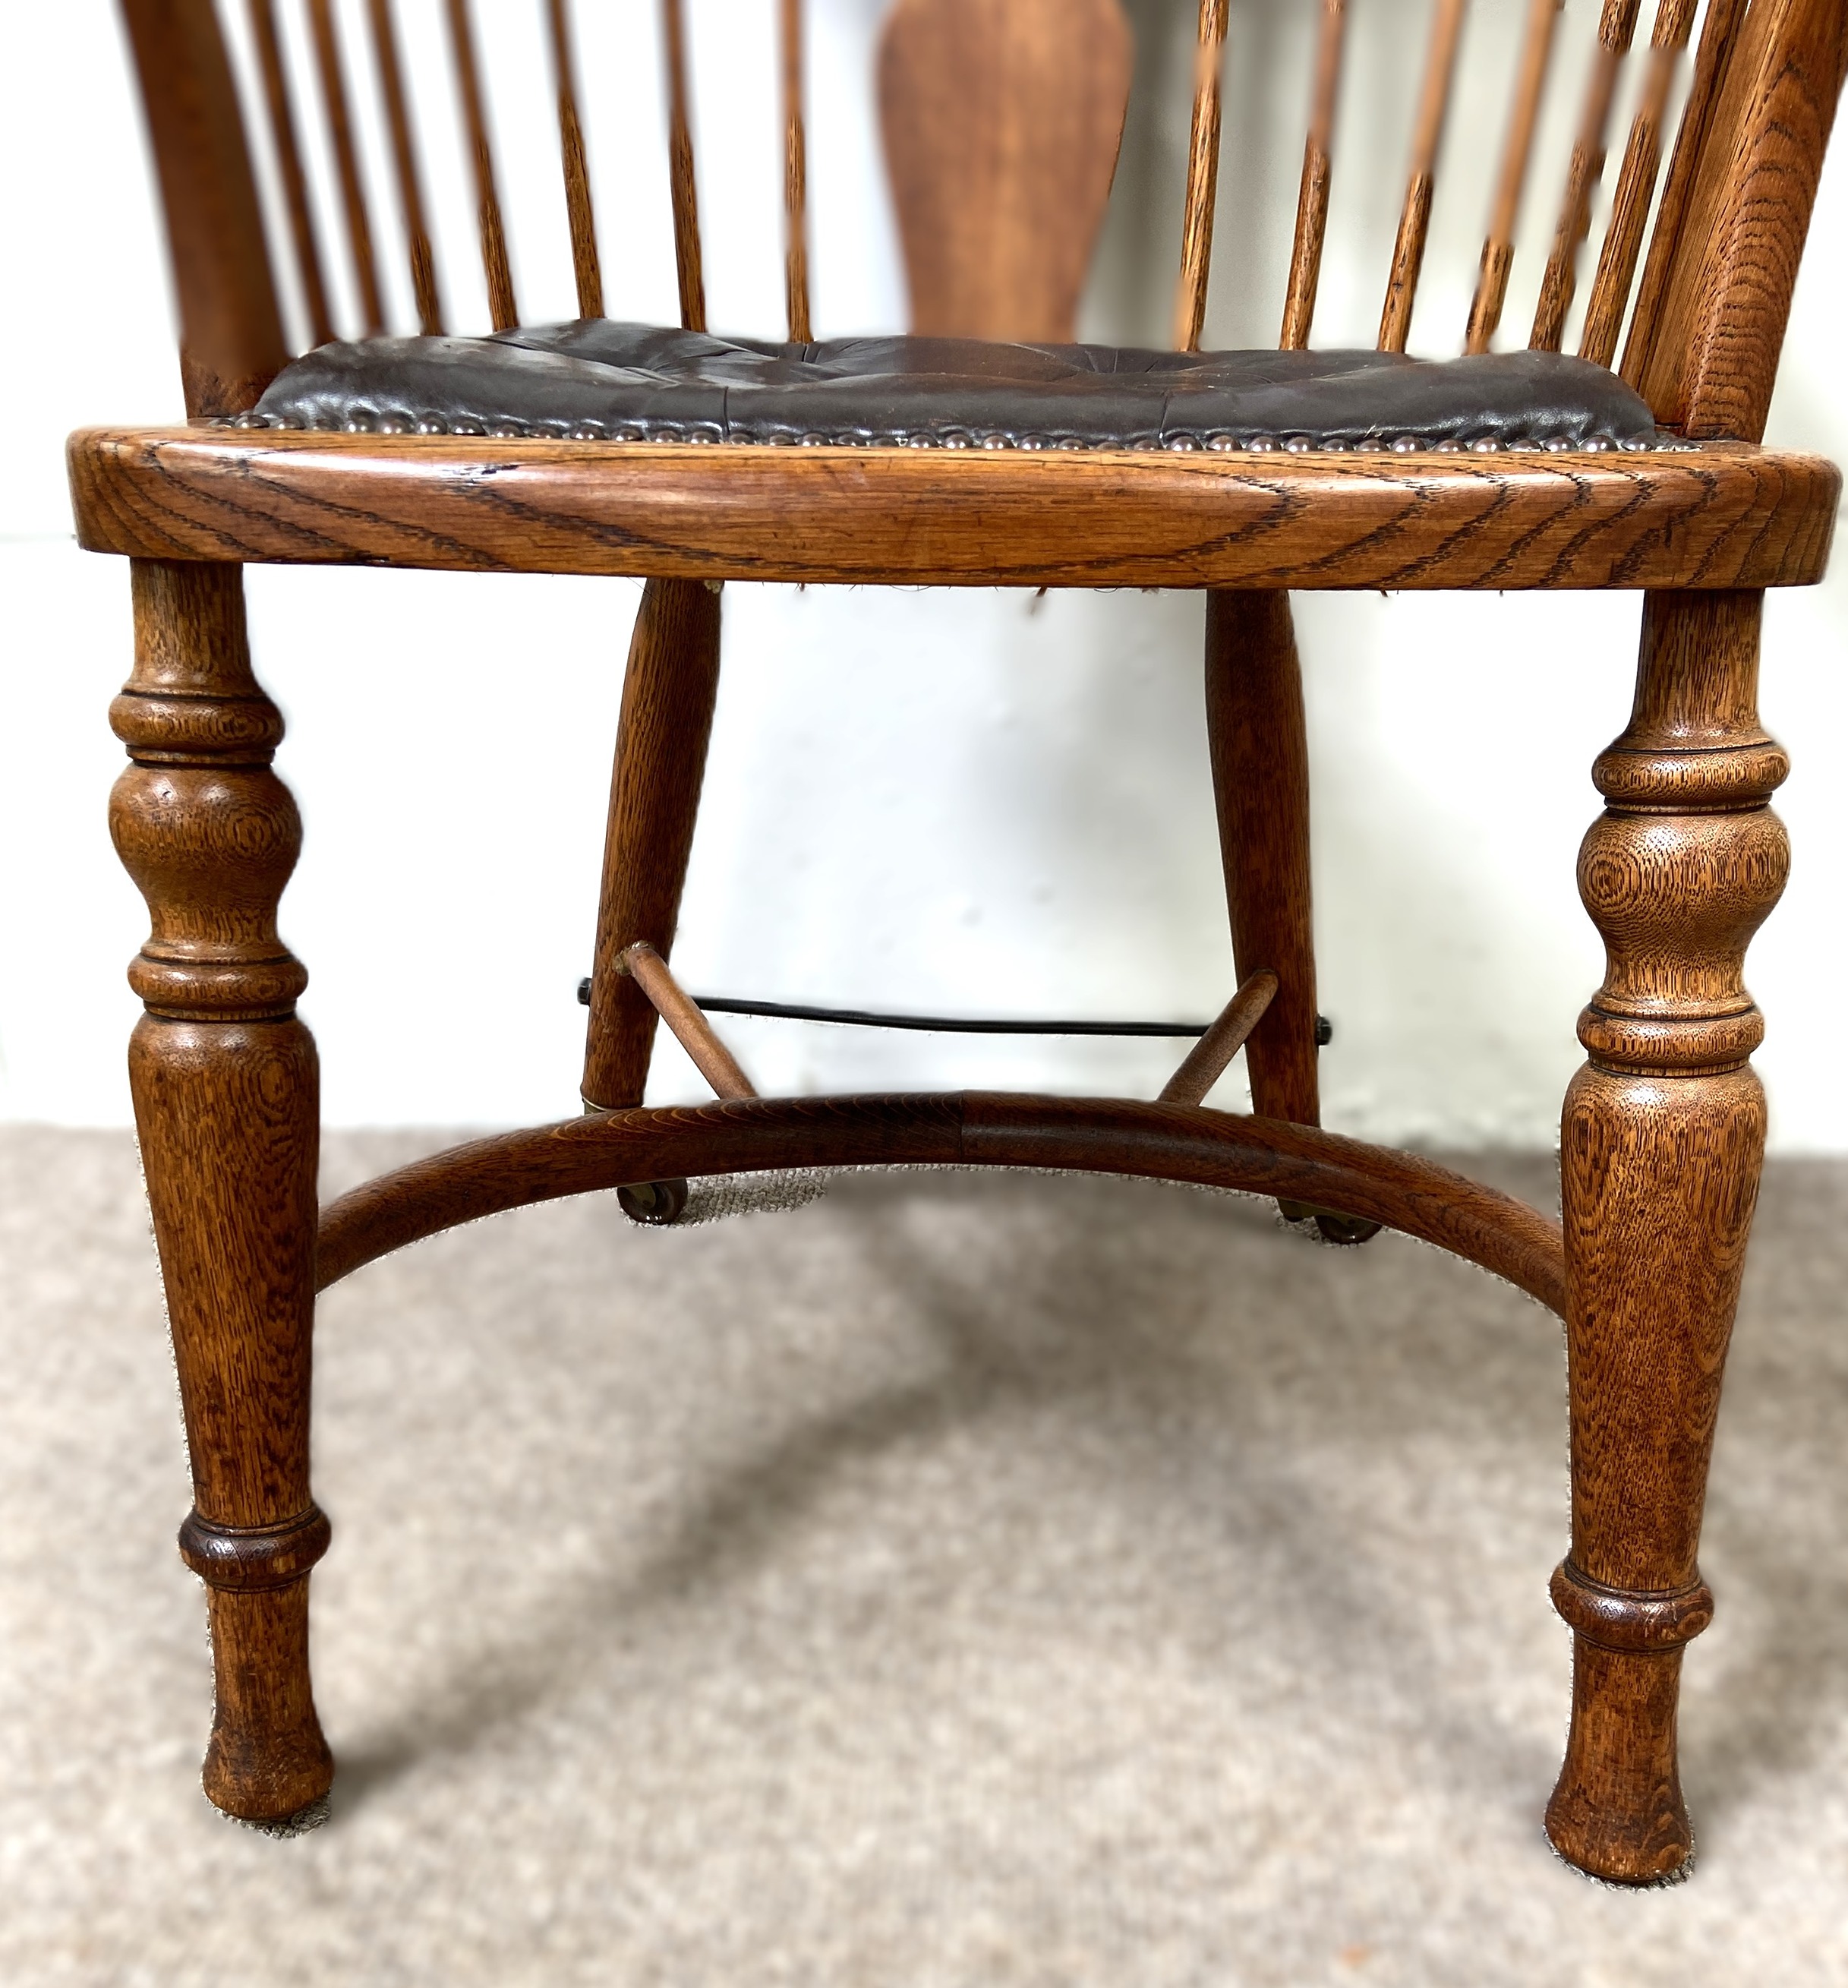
598,379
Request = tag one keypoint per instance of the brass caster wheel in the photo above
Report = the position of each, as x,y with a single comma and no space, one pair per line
1344,1229
654,1204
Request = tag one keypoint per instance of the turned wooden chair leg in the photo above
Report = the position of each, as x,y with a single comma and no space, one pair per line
226,1095
1663,1140
668,695
1259,744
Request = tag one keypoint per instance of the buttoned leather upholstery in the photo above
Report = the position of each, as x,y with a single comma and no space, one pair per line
601,379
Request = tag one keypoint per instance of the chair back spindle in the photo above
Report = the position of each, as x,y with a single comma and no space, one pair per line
1635,185
1718,33
347,161
1617,26
1003,124
231,343
1428,135
1498,250
1202,176
795,176
1318,176
404,162
683,187
286,145
1003,120
502,308
585,265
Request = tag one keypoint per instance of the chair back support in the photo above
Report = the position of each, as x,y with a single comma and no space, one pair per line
231,344
1002,119
1723,263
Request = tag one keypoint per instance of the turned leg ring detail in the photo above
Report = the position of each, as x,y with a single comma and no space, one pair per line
1616,1618
244,1559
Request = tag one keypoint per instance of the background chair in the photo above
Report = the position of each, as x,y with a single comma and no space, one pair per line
1001,119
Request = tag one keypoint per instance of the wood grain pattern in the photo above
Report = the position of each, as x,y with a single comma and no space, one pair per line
578,211
339,114
231,331
682,182
404,162
1714,354
1428,135
502,306
1001,121
1617,27
1721,516
225,1088
1662,1141
1636,187
1202,177
288,147
795,176
976,1129
1318,178
668,696
1499,249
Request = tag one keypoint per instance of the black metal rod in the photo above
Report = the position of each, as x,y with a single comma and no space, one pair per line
859,1018
942,1025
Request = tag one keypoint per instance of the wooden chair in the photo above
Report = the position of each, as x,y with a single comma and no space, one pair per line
1002,119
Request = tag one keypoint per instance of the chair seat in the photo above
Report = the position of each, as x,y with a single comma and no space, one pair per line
1723,514
594,380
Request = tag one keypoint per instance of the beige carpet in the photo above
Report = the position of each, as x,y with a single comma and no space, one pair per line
956,1582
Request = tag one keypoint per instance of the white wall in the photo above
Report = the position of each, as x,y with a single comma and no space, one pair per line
973,801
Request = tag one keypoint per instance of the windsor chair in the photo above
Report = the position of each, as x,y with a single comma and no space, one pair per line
960,459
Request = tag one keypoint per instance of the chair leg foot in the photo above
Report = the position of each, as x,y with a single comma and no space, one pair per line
267,1762
1617,1812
